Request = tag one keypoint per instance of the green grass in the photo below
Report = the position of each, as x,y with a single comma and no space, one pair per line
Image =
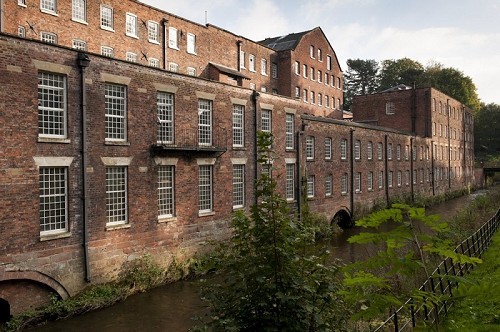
479,309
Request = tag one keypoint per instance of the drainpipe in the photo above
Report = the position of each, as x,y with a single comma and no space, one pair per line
1,16
448,132
164,49
411,169
255,95
351,165
239,42
298,191
432,168
83,63
386,170
465,149
414,110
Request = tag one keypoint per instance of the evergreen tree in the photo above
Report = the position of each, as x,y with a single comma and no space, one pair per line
360,79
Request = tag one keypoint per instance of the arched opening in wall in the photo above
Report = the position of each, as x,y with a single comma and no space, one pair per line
343,219
5,315
22,295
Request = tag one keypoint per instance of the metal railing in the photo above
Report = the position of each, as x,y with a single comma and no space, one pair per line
408,316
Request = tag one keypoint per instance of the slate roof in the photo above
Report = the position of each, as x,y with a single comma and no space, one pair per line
282,43
228,71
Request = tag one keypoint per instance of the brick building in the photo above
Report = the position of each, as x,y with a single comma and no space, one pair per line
106,156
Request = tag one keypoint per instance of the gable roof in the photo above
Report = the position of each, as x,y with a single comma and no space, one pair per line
282,43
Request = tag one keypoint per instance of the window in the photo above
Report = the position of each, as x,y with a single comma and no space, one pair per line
407,177
370,181
304,95
238,125
297,68
343,149
21,31
172,38
252,86
328,62
327,101
79,10
52,111
153,32
21,3
328,185
131,25
116,112
48,6
399,179
242,59
251,62
326,78
389,151
358,182
191,43
238,186
289,134
311,51
107,51
415,176
263,66
312,73
173,67
369,150
414,152
310,186
48,37
398,152
154,62
106,18
339,107
116,195
53,200
390,109
165,117
328,148
204,122
274,70
205,189
265,124
320,54
297,92
381,179
304,71
79,45
131,57
310,148
380,151
290,182
166,191
312,97
320,99
407,152
389,179
343,184
338,84
332,80
357,150
320,76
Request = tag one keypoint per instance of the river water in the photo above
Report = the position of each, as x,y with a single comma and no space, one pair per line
172,307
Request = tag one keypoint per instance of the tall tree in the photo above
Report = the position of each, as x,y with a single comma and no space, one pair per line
455,84
486,129
360,78
402,71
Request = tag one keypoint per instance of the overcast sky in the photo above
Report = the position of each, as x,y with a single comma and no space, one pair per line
463,34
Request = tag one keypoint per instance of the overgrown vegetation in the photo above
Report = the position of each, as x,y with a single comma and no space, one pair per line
270,276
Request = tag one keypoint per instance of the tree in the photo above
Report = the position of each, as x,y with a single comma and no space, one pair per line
402,71
269,276
360,79
458,86
486,129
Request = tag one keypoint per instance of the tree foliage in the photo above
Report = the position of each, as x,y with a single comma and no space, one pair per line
269,276
393,72
486,129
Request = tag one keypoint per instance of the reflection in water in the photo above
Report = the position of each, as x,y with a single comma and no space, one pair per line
171,307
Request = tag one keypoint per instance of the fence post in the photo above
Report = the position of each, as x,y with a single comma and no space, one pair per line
396,326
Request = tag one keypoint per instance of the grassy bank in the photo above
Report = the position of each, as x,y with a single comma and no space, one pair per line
479,309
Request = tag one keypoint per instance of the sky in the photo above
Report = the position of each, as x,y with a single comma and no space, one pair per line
463,34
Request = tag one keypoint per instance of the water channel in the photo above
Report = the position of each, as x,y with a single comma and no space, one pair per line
171,307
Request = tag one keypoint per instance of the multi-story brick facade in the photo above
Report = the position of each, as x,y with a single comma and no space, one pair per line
103,160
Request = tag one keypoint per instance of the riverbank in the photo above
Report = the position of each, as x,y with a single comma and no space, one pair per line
479,310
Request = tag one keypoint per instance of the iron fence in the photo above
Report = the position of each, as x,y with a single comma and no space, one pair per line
439,286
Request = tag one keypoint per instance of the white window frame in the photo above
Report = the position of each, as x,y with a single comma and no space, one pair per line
205,189
297,68
263,67
380,151
289,131
52,105
390,108
238,126
328,185
369,150
107,18
311,51
131,57
153,32
21,31
131,25
173,38
115,113
242,60
310,148
238,186
165,106
310,186
320,55
205,131
398,152
79,44
304,70
343,149
399,178
320,99
166,191
344,184
381,180
329,62
191,71
407,177
357,183
290,182
320,76
79,11
328,148
21,3
297,92
266,121
107,51
48,6
116,196
153,62
389,179
389,151
173,67
274,70
370,181
191,43
48,37
357,150
53,200
251,63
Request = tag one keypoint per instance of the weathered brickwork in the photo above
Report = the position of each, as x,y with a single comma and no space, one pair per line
92,245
